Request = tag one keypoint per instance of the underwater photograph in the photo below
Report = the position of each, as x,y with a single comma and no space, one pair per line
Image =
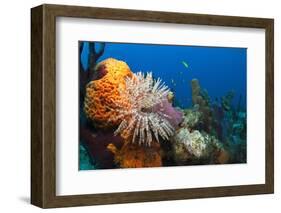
154,105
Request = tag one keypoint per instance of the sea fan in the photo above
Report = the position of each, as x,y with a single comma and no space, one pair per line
143,118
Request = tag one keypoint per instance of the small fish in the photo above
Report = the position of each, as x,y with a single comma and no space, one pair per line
173,82
185,64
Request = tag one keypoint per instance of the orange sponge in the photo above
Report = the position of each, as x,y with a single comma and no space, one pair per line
135,156
102,94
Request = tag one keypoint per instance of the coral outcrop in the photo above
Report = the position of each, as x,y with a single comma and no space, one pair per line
103,93
194,142
195,147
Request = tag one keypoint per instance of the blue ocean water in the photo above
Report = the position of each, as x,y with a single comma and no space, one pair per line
218,69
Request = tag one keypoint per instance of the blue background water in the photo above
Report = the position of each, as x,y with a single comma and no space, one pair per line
218,69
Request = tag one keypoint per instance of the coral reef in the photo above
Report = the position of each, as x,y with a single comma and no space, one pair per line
103,93
140,110
144,117
130,120
135,156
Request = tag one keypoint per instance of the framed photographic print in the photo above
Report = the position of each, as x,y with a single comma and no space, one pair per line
136,106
